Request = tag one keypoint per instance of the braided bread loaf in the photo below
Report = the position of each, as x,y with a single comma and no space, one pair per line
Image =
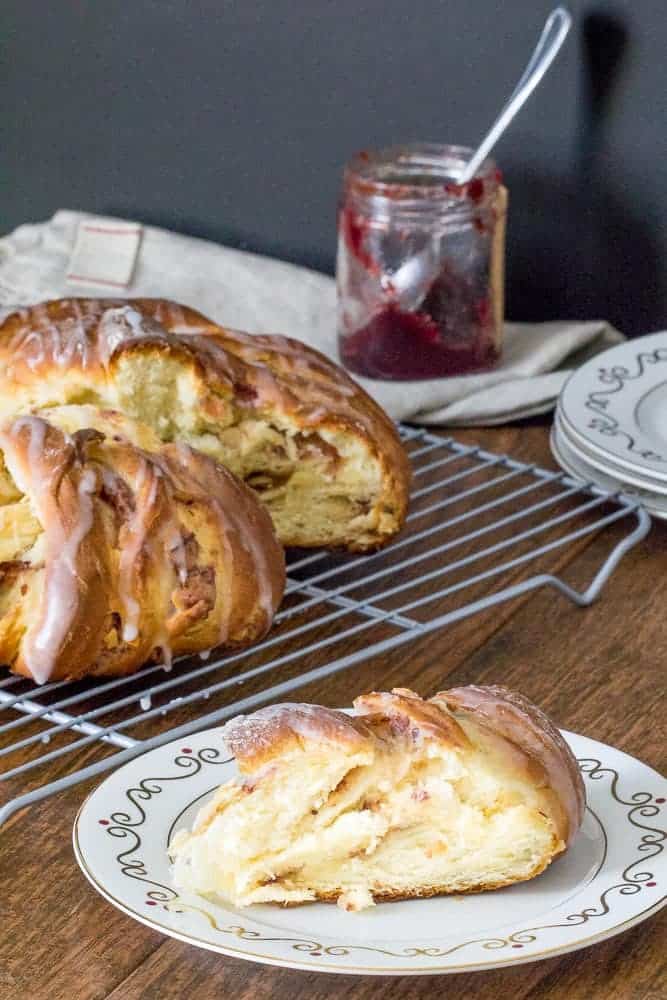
115,548
322,456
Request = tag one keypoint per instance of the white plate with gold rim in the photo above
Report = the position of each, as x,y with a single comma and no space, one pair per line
613,877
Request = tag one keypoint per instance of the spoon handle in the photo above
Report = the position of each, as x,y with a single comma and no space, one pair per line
553,35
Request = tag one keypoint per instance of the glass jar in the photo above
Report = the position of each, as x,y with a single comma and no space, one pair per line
420,266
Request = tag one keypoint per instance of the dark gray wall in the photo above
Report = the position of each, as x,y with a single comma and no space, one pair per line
231,119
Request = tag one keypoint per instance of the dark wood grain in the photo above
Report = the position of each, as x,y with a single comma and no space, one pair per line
598,671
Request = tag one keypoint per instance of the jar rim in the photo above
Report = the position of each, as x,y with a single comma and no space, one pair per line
369,174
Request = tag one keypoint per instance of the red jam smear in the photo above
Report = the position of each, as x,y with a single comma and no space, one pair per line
405,346
354,228
475,189
452,333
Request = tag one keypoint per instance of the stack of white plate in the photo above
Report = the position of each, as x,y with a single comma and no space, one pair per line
610,426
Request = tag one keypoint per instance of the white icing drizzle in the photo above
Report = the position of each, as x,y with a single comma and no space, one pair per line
159,535
85,336
293,354
310,722
145,494
269,390
28,344
176,549
62,587
37,478
190,331
120,324
109,478
248,536
318,413
225,510
134,320
37,430
281,372
111,332
73,341
258,554
275,390
316,386
41,339
162,641
177,322
184,453
223,360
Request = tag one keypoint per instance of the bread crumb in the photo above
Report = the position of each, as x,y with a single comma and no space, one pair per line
354,900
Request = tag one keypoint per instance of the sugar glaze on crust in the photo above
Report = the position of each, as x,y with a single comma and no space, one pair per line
128,555
80,345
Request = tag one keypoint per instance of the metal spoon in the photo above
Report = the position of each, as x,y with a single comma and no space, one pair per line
412,278
553,35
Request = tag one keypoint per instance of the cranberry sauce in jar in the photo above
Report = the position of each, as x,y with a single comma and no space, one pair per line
420,264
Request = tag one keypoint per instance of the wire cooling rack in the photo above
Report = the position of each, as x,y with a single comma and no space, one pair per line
482,528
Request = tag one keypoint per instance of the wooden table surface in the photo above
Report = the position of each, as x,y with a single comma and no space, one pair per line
598,671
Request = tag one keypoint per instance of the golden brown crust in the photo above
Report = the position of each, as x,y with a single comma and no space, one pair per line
274,731
428,891
512,717
406,710
133,554
80,344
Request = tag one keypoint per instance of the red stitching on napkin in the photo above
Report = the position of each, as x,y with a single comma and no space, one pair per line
96,281
112,232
